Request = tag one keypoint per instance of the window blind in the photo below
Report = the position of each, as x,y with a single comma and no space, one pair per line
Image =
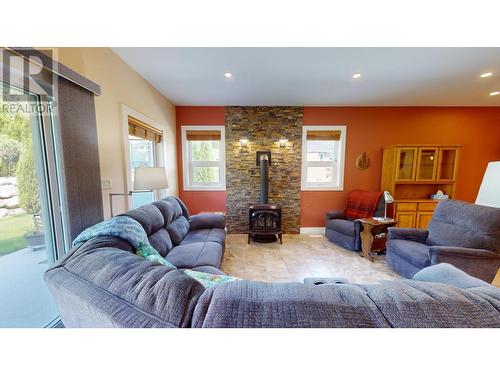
323,135
203,135
142,130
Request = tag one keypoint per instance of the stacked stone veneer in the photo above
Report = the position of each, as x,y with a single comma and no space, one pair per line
263,126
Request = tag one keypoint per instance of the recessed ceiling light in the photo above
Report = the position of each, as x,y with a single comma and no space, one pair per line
494,93
486,75
228,75
357,75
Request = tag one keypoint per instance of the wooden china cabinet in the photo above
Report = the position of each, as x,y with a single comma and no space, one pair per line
411,173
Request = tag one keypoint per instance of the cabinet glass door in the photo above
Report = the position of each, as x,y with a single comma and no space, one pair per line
427,161
448,158
405,168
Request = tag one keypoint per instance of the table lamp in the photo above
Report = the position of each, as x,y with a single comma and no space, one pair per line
150,178
489,192
388,198
145,179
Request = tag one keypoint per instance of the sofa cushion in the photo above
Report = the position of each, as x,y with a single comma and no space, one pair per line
205,235
178,229
207,220
413,252
343,240
343,226
196,254
170,209
412,304
185,210
149,216
161,241
245,304
107,287
462,224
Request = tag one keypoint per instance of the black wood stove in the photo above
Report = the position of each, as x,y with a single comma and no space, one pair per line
264,219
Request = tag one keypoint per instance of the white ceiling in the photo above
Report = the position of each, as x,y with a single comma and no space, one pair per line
320,76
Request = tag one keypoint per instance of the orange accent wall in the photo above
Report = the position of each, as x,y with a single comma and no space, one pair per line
198,201
477,129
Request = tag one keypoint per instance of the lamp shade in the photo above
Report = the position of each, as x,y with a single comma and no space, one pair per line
150,178
489,192
388,198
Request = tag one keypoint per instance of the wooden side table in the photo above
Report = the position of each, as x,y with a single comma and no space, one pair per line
370,229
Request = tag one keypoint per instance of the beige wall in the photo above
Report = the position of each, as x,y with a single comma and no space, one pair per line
121,85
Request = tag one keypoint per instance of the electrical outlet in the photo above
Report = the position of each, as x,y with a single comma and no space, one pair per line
106,183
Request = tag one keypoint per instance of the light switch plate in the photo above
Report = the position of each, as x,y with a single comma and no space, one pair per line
106,183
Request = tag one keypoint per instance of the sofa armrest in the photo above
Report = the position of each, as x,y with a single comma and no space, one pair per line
409,234
439,252
479,263
207,221
335,215
445,273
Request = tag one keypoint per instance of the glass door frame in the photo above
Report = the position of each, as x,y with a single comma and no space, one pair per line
414,163
46,144
455,164
434,165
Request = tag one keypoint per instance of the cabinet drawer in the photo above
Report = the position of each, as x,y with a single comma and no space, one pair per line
423,219
406,219
406,206
428,206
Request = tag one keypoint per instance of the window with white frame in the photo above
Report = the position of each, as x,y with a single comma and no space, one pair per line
323,154
203,156
144,141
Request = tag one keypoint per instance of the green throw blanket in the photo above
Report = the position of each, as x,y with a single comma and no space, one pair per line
128,229
131,231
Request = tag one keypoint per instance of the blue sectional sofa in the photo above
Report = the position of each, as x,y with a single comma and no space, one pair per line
187,241
103,283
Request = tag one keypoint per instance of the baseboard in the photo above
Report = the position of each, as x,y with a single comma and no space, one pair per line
312,230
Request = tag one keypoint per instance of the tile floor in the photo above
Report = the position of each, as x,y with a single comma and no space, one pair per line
300,256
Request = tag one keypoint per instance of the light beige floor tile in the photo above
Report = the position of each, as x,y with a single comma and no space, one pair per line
300,256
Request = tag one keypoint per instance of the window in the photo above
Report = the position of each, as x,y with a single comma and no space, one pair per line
323,152
143,140
203,155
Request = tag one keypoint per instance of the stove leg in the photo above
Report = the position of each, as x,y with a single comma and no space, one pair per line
281,238
249,236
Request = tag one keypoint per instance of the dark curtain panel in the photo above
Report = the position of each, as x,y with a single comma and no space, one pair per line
78,135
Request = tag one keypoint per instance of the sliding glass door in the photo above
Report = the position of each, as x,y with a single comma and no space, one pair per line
31,225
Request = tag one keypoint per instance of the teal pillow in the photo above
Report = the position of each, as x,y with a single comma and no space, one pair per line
209,280
150,253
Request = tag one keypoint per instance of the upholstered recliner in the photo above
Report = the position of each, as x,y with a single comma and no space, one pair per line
344,230
463,234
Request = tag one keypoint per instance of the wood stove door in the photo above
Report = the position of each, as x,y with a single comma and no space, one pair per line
264,221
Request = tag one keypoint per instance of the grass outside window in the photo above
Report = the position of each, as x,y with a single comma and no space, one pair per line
12,231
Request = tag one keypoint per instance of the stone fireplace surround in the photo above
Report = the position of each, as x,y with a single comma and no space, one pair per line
263,126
